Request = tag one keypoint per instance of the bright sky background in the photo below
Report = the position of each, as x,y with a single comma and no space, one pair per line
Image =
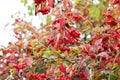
9,7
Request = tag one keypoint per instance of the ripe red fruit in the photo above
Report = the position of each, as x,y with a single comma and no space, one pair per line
9,51
43,75
92,56
74,33
69,14
20,66
33,76
37,2
44,10
109,17
77,18
64,49
82,74
29,45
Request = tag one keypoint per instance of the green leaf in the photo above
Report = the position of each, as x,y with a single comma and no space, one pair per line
33,6
105,3
46,54
12,16
40,67
34,43
77,2
88,32
41,24
118,73
94,11
113,77
52,61
99,75
24,2
48,19
29,7
30,13
64,62
35,54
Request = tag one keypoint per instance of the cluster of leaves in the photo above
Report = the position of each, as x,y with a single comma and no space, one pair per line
56,51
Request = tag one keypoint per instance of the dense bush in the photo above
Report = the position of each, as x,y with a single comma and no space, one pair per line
82,42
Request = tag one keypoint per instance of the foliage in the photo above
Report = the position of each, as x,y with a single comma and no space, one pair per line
57,50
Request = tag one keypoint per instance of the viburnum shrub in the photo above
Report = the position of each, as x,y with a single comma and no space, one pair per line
82,42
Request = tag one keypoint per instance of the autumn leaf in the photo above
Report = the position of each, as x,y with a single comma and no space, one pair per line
62,68
46,54
61,22
97,45
56,50
29,61
51,3
57,40
103,54
83,60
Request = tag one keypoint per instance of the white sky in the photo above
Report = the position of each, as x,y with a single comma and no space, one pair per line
9,7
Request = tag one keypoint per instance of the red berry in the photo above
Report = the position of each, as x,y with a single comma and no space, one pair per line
43,75
77,18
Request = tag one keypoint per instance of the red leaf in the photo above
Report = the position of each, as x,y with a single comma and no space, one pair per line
51,3
9,51
97,45
98,42
111,23
37,2
62,68
113,2
65,2
118,46
29,61
105,40
86,48
109,17
61,22
74,33
50,70
64,49
82,61
103,55
92,56
44,10
57,40
69,68
69,14
20,66
1,72
33,76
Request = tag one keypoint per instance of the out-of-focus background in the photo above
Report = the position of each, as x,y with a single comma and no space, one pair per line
8,8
